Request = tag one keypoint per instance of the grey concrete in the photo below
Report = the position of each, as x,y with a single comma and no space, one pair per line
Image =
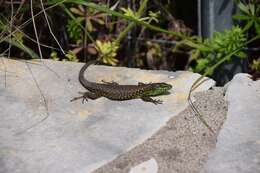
77,137
238,146
183,144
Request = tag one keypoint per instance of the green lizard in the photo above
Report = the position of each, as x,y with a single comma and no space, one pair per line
114,91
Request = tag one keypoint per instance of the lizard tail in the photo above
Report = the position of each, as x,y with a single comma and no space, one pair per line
82,79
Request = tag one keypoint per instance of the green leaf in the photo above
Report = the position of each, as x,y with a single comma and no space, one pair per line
113,7
23,48
257,9
76,11
129,12
89,26
202,65
100,21
256,64
241,54
248,25
257,28
252,8
73,29
243,8
80,19
195,53
54,56
241,17
199,46
71,56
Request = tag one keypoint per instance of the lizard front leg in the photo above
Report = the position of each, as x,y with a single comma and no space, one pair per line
85,96
149,99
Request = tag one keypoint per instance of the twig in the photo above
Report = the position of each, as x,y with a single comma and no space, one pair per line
44,101
85,35
139,13
47,21
27,36
11,27
29,20
3,53
38,43
83,28
35,30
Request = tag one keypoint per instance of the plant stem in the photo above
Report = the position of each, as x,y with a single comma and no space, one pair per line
132,24
114,13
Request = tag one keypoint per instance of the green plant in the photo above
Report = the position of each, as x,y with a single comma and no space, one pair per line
74,29
70,56
54,56
90,16
126,19
256,64
205,53
249,19
107,51
250,15
83,16
15,38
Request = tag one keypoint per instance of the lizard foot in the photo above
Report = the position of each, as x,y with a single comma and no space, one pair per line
154,101
157,102
83,97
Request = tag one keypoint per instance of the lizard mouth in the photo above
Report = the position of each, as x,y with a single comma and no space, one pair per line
167,93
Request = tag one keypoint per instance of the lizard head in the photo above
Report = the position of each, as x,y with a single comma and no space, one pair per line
158,89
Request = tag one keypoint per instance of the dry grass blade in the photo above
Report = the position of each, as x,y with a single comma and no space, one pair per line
195,85
37,39
35,30
11,26
44,101
17,29
47,21
29,20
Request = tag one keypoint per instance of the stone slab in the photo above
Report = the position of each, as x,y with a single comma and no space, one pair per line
77,137
238,146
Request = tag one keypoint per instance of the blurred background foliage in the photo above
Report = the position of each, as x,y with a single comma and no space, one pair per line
121,33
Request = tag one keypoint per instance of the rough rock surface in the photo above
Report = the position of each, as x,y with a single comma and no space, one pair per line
183,145
76,137
238,146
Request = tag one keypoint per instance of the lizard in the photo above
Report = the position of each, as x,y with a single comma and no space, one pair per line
114,91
